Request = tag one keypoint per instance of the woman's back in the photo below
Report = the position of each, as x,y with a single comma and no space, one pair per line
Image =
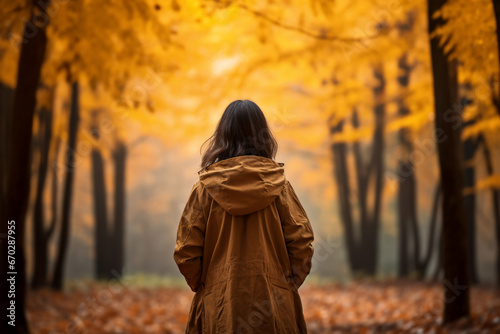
244,244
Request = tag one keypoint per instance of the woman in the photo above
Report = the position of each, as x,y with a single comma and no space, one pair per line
244,241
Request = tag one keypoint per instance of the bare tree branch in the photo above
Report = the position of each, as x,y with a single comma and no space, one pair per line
320,36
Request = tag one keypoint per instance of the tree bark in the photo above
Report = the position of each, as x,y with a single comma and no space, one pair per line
469,149
496,101
495,197
376,168
403,254
496,11
413,221
102,247
363,250
448,123
120,158
39,233
405,171
362,174
424,263
6,101
15,199
70,170
439,267
339,150
54,193
109,239
408,223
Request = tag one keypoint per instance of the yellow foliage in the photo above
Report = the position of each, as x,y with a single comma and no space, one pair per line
490,182
167,69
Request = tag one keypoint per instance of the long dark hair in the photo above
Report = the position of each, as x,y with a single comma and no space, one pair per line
242,130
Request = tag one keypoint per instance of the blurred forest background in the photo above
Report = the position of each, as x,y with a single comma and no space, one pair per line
105,104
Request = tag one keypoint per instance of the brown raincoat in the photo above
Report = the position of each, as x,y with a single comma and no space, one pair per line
244,245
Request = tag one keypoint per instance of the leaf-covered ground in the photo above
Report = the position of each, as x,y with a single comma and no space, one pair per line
395,307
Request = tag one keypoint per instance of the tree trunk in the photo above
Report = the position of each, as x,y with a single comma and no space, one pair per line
54,195
448,122
409,232
496,101
403,268
109,241
120,157
405,170
6,101
495,196
424,264
469,149
439,266
14,207
496,10
362,251
362,175
413,221
102,246
376,168
495,192
39,233
70,164
339,150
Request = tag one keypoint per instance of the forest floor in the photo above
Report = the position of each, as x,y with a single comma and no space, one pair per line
360,307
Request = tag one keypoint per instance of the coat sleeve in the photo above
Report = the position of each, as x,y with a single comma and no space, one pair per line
188,253
298,234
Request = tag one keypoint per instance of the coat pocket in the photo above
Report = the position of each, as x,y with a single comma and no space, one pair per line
283,300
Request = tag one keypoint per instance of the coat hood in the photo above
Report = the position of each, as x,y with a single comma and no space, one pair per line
244,184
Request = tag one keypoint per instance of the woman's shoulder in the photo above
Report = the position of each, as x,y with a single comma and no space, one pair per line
200,189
